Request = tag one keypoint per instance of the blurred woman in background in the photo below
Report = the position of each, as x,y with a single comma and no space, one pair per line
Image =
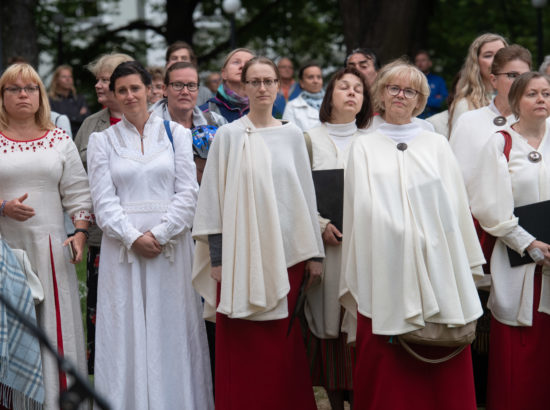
474,89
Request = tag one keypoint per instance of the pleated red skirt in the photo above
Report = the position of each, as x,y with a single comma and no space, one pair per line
519,362
258,366
388,378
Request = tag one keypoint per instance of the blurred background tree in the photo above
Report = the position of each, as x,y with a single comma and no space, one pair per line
75,32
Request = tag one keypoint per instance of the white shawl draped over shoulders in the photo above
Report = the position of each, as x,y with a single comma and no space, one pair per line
410,253
257,191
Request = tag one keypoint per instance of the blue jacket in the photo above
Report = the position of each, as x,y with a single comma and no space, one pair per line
438,94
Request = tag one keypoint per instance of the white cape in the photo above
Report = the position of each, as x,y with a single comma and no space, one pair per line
410,250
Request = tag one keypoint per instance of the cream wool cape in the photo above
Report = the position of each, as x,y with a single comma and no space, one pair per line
410,252
258,192
502,186
322,308
470,134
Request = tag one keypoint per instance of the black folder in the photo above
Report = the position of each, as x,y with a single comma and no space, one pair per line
535,219
329,191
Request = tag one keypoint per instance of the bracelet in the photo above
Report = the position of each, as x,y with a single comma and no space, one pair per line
84,231
4,202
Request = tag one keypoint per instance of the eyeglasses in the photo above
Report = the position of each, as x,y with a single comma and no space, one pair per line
268,82
177,86
29,89
394,90
510,75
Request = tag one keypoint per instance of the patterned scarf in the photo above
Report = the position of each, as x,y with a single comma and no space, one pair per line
21,379
314,100
232,97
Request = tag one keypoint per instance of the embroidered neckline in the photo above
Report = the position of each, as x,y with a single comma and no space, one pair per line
48,140
34,139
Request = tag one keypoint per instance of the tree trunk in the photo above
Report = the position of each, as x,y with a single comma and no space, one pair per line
390,28
179,20
18,30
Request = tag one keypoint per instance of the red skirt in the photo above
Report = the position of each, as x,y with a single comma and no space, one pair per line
388,378
519,362
258,366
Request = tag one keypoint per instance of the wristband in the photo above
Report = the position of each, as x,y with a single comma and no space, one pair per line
536,254
4,202
84,231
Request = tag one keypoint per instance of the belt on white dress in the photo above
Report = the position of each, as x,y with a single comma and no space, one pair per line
145,207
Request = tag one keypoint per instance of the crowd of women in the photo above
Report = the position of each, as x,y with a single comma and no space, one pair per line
317,254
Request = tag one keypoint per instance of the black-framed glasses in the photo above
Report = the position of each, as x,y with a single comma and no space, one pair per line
511,75
16,90
268,82
178,86
394,90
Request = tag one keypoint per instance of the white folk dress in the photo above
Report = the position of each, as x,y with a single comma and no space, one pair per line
49,170
151,346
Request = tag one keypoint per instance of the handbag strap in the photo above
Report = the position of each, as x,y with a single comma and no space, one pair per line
169,132
507,144
414,354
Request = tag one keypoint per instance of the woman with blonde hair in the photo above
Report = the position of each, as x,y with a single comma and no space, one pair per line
474,89
41,177
231,100
65,100
101,68
409,254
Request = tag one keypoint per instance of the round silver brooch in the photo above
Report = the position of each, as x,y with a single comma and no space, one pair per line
248,130
402,146
534,156
499,121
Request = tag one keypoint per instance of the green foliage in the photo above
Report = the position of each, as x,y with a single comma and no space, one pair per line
456,23
85,36
303,30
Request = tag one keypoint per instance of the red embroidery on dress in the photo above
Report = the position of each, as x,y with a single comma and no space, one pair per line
47,141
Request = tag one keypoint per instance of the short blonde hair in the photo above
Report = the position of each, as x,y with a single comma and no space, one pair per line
27,74
107,63
398,69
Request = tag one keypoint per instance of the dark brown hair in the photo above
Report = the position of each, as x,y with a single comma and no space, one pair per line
510,53
307,65
364,116
178,45
519,86
259,60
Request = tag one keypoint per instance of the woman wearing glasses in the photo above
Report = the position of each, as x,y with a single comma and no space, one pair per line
41,177
181,87
257,238
474,128
474,88
472,131
151,347
409,254
519,301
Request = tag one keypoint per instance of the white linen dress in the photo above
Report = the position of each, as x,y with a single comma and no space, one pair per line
49,170
151,346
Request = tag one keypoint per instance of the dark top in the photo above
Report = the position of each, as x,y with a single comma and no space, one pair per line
71,106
